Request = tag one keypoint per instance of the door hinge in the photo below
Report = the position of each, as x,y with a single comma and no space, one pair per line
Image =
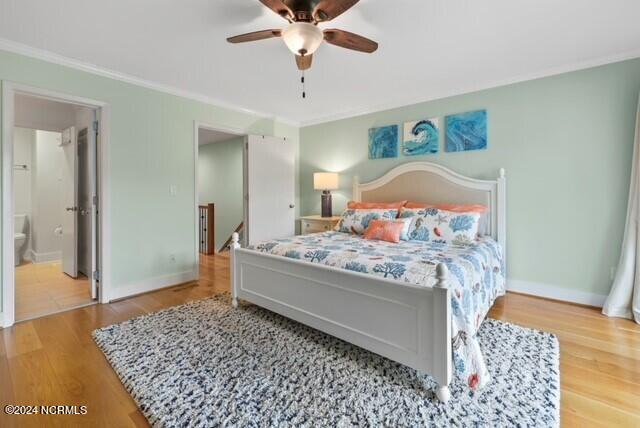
96,275
95,126
95,200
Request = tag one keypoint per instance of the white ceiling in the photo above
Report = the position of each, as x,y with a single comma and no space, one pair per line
210,136
428,48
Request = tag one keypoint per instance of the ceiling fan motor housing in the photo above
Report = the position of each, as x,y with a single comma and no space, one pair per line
302,9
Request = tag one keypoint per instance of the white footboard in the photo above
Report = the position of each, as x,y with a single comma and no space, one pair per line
405,323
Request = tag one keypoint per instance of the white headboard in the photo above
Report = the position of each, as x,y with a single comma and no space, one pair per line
432,183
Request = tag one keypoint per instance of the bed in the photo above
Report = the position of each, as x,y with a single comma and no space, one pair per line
414,314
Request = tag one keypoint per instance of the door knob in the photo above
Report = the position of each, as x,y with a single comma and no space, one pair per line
292,206
72,208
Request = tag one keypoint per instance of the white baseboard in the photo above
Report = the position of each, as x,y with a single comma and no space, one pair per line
46,257
619,313
556,292
151,284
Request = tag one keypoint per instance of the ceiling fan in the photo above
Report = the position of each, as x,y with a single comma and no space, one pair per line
302,36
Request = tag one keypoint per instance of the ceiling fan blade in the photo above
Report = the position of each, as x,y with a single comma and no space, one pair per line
348,40
279,7
304,62
256,35
326,10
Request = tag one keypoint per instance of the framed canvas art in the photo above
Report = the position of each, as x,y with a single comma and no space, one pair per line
421,137
466,131
383,142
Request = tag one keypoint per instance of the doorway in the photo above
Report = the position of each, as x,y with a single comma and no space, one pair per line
51,224
219,188
250,180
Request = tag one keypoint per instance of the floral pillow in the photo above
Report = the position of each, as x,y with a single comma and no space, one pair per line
432,224
357,220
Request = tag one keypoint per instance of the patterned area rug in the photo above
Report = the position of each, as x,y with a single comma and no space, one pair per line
206,364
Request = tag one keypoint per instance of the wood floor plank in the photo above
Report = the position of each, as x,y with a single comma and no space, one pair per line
21,339
6,384
54,360
590,384
597,411
620,367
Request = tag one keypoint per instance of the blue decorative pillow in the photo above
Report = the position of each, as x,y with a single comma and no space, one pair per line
432,224
357,220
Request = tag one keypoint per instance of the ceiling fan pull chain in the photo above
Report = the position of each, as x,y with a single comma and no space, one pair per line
304,92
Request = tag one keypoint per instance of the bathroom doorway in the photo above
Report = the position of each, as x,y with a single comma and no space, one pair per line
53,181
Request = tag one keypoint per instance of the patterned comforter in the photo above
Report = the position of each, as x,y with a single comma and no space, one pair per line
476,278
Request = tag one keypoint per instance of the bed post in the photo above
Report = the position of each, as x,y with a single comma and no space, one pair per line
502,213
442,333
235,244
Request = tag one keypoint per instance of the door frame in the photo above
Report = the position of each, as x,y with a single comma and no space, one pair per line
103,115
197,125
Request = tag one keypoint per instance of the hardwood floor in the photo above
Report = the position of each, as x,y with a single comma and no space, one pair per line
43,289
54,361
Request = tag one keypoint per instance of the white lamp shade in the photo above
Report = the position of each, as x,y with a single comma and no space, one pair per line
325,181
302,37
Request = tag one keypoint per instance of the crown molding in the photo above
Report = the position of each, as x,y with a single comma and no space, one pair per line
54,58
48,56
403,102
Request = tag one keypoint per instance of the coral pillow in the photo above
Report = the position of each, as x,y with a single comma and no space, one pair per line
473,208
376,205
384,230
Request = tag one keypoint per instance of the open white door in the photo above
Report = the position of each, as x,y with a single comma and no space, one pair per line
87,208
93,205
70,203
271,188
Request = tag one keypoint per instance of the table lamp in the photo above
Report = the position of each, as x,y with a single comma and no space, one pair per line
325,181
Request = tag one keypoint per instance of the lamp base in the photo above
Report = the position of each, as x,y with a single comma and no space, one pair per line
326,204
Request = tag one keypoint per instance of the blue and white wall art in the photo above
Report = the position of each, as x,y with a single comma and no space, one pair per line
466,131
421,137
383,142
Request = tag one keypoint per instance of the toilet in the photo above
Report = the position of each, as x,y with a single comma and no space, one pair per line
20,236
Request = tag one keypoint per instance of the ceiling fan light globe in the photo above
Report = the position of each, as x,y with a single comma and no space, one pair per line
302,38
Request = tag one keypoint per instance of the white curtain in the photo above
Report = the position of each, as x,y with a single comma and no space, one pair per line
624,298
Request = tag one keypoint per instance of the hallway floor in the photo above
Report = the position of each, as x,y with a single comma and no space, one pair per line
43,289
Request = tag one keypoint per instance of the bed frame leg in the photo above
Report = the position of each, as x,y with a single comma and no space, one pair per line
442,343
443,393
235,244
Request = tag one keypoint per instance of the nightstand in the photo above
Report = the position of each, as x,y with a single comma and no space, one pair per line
316,223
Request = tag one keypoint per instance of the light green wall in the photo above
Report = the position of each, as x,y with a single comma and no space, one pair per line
151,145
220,179
566,143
